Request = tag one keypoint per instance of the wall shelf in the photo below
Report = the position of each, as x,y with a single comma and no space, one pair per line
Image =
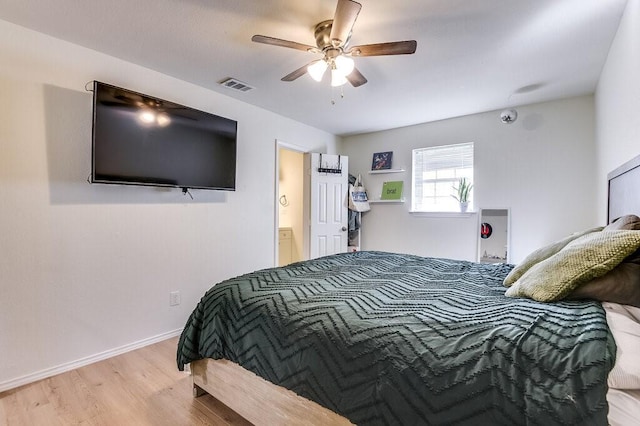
379,172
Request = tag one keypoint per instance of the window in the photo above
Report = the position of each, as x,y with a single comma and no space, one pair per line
436,170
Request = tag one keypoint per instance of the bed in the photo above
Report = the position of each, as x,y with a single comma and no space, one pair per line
388,338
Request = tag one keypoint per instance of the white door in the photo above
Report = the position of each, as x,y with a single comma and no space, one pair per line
328,190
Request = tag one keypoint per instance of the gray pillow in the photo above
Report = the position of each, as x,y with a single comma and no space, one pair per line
630,222
620,285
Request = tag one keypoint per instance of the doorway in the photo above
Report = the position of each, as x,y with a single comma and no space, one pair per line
290,204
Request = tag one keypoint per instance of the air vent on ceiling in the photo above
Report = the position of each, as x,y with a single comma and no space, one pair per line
234,84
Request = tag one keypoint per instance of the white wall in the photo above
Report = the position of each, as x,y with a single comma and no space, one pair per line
540,167
618,102
87,269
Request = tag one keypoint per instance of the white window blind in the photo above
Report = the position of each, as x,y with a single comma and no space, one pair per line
436,170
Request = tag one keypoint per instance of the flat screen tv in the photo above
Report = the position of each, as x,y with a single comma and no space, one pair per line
142,140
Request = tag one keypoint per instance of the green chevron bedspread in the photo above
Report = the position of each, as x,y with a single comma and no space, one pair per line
384,338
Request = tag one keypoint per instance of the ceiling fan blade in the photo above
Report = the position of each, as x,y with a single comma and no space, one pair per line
379,49
356,78
299,72
343,20
283,43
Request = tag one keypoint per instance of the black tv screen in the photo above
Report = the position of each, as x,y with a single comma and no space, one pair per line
142,140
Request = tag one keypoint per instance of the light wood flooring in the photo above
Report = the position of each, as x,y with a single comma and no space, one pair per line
142,387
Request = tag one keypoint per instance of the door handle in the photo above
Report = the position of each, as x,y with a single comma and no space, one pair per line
344,228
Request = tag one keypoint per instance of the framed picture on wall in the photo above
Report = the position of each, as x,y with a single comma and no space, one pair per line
381,160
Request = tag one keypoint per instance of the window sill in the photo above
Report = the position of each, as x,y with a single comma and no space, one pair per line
444,214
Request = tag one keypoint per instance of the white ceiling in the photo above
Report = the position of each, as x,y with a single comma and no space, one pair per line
472,55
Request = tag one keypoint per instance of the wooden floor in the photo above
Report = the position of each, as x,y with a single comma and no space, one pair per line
142,387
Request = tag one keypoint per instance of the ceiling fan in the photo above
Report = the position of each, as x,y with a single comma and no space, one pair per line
332,40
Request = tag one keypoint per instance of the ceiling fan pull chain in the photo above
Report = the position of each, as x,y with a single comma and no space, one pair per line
333,101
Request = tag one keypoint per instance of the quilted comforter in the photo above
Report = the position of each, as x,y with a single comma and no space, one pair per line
385,338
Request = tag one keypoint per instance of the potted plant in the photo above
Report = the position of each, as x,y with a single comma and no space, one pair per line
463,190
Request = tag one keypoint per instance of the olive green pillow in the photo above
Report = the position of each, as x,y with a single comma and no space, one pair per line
588,257
542,254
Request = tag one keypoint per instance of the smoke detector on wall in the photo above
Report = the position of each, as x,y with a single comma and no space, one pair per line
508,116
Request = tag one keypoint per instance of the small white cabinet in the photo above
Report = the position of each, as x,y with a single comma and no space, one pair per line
284,246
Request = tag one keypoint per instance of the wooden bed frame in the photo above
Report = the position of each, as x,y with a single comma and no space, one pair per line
264,403
257,400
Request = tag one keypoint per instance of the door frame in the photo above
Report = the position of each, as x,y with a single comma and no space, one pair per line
291,147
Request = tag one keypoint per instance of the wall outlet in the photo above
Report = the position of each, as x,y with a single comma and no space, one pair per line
174,298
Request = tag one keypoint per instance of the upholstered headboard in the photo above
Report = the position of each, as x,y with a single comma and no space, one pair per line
624,190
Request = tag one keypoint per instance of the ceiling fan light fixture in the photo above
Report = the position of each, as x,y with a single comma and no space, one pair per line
337,78
317,69
344,65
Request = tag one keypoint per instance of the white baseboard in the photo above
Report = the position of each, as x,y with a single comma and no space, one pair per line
62,368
